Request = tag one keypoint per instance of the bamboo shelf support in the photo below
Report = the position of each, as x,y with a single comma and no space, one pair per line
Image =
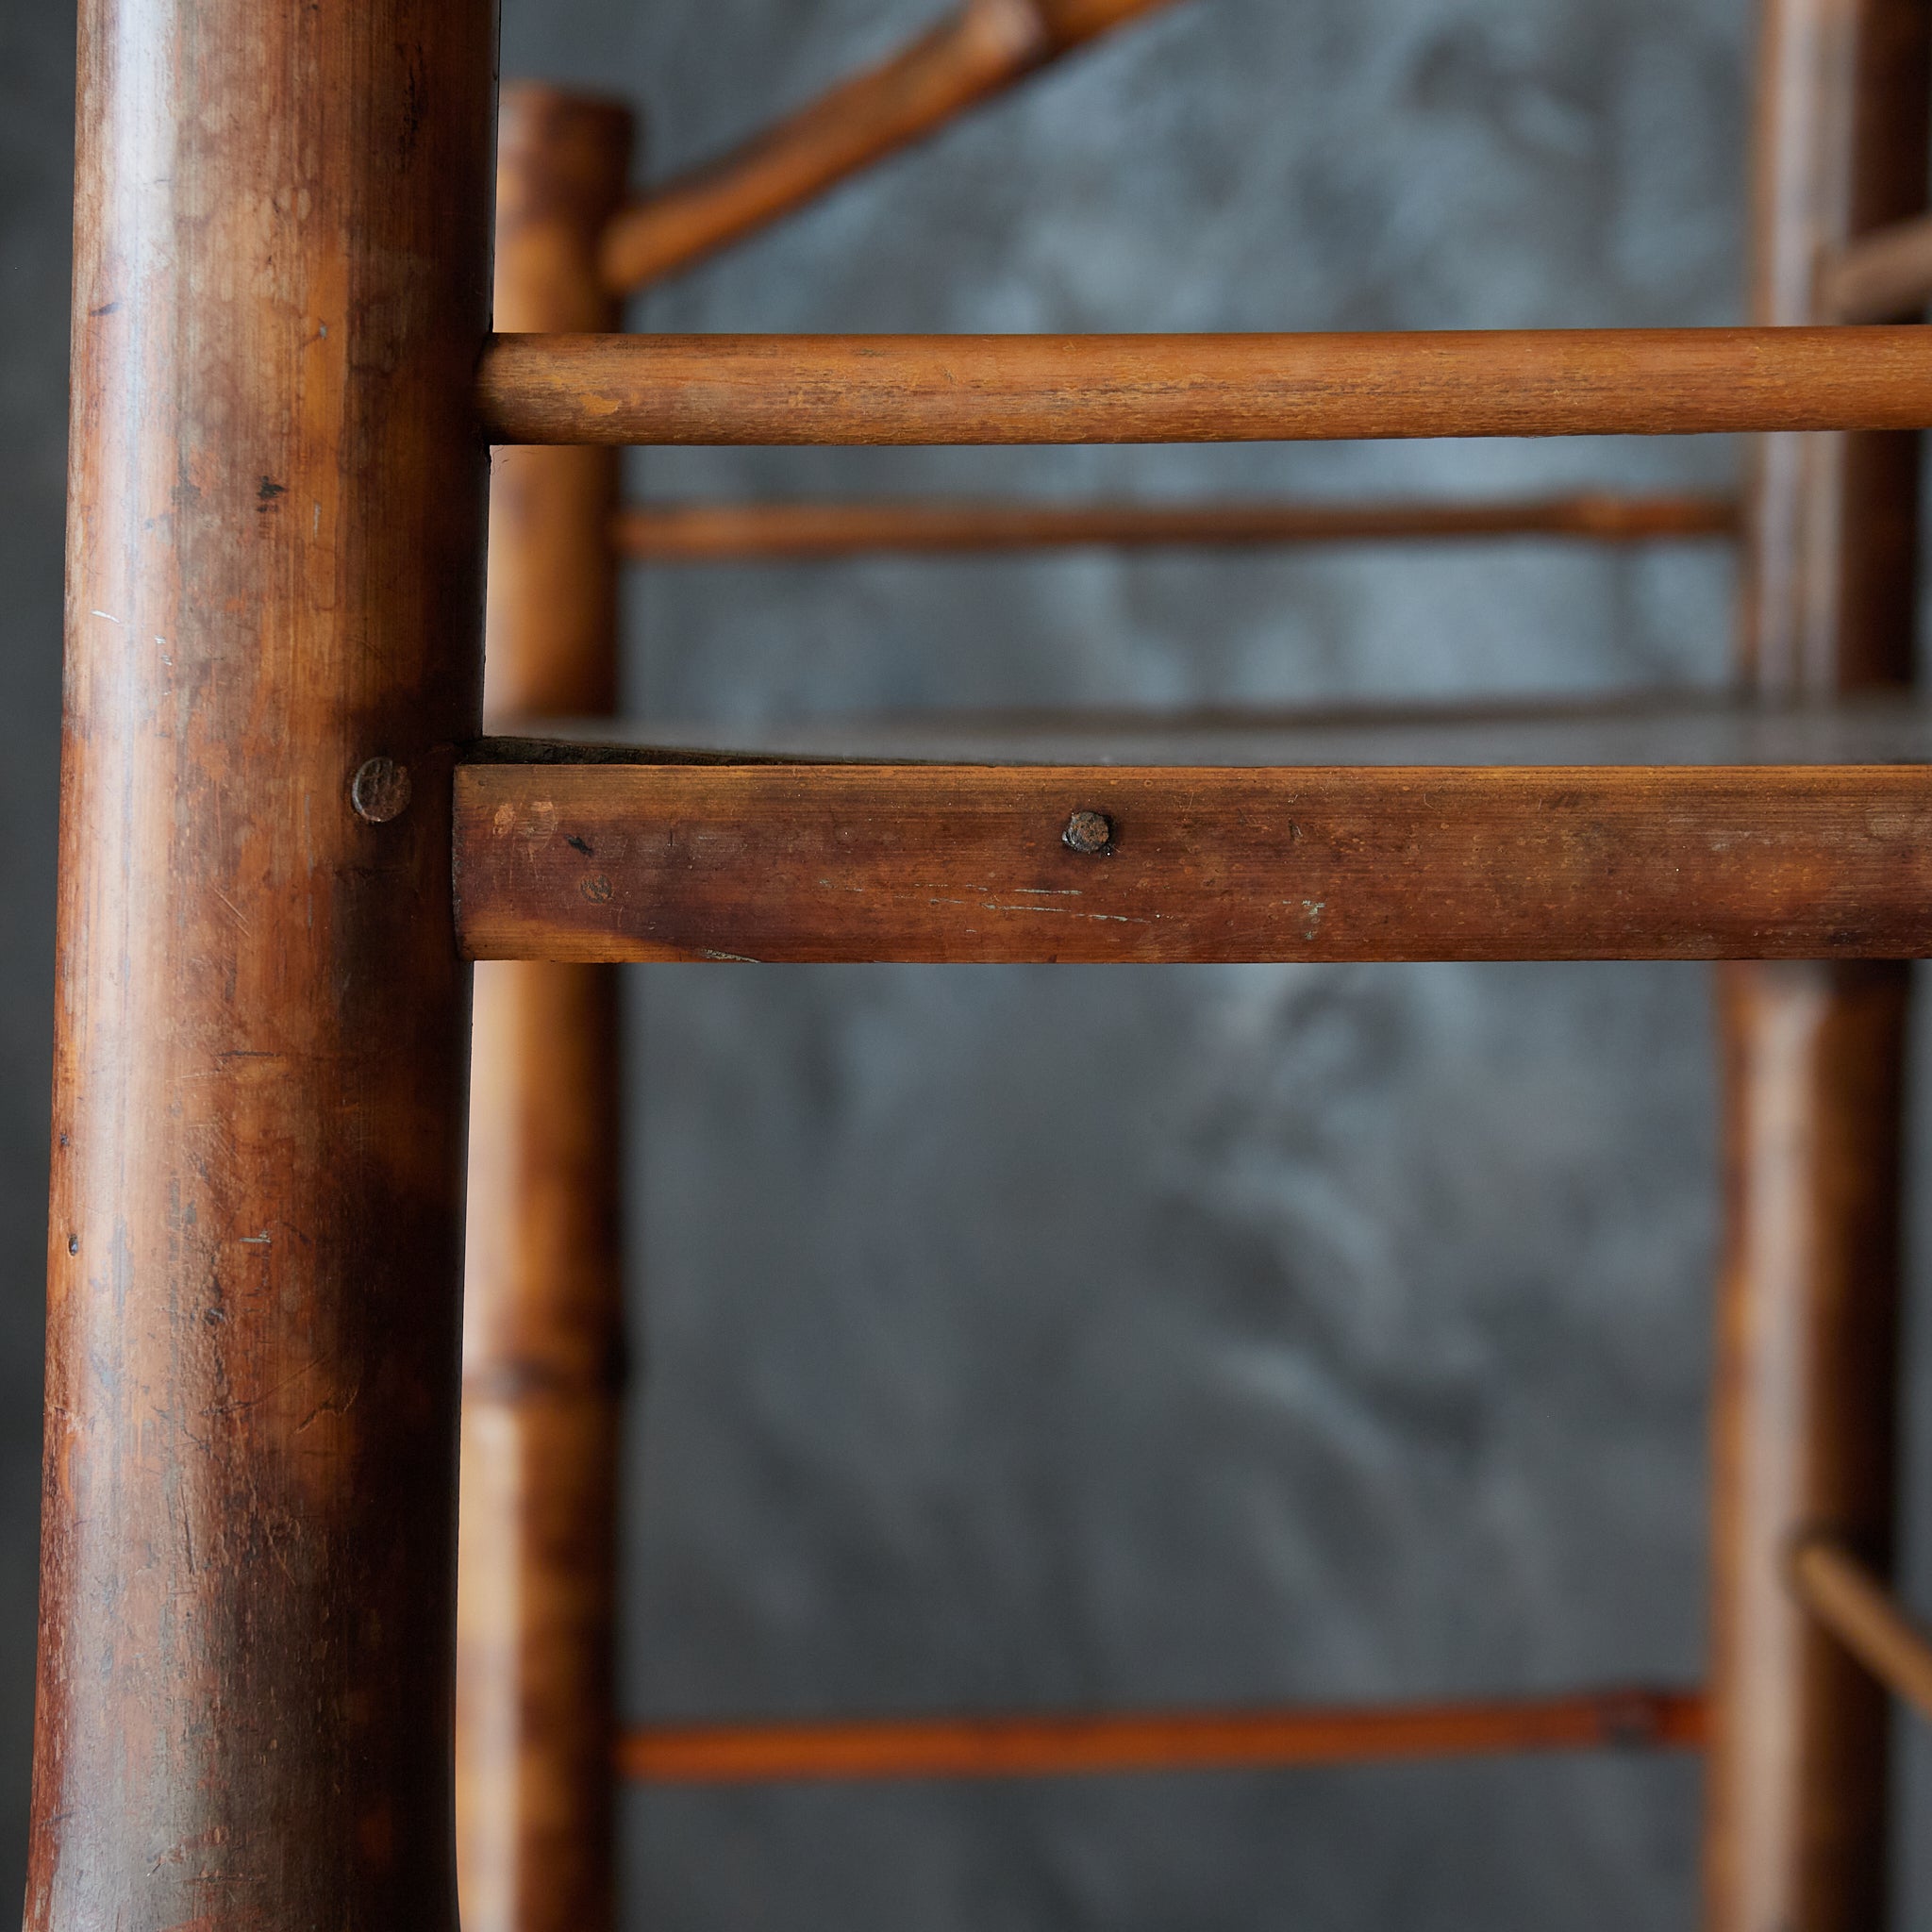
1326,842
984,390
1885,277
1088,1747
979,51
803,532
1844,1595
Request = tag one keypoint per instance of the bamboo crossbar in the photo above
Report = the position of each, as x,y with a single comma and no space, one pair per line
979,51
983,389
1886,276
700,859
1858,1611
1087,1747
781,532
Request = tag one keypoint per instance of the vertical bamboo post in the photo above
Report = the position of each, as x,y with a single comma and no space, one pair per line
543,1330
1805,1409
282,243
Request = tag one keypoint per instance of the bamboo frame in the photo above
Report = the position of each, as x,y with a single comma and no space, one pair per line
983,389
1850,1601
1168,1741
246,1674
811,532
982,49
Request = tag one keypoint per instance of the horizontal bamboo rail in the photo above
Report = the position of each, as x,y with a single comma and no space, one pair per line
1886,276
1858,1609
781,532
958,390
1087,1747
1029,864
982,49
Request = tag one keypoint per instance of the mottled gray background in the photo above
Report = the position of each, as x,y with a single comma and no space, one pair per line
1028,1339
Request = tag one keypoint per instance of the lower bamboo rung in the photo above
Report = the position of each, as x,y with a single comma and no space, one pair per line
780,532
1069,1747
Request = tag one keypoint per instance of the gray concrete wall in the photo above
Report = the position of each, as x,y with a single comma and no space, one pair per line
1063,1340
35,193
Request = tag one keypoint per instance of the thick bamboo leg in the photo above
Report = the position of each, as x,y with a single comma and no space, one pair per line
542,1341
274,644
1805,1416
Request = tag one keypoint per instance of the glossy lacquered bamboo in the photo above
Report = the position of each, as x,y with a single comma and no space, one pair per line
977,52
1884,276
274,642
1858,1609
934,864
542,1340
805,532
1805,1405
1153,1742
956,390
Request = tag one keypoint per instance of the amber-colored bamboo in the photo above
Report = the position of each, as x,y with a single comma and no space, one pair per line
795,532
1201,388
274,644
1220,1740
542,1334
1886,276
979,51
1858,1609
1805,1407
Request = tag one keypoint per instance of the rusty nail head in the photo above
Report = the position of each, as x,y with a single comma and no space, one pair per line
1088,832
380,790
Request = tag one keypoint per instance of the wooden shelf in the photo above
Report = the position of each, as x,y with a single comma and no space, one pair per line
1698,830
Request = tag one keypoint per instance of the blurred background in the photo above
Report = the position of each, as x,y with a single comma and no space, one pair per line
1021,1338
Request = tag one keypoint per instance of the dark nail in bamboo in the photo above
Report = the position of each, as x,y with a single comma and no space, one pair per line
1807,1401
274,579
1103,1746
805,532
543,1336
977,52
1201,388
1858,1609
